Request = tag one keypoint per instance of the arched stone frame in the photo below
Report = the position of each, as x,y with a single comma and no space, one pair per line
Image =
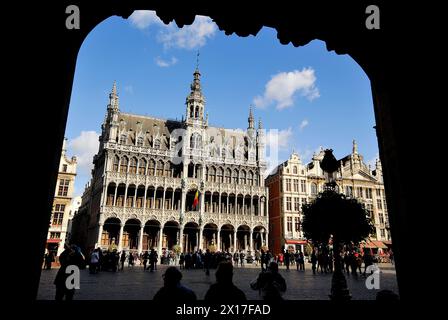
243,238
226,237
150,236
109,232
377,53
124,163
130,235
142,166
111,193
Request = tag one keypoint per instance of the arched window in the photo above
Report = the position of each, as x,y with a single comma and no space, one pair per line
294,170
212,174
133,166
196,115
195,141
124,164
160,166
191,111
243,177
313,189
235,176
220,175
251,178
256,183
228,175
142,166
151,168
167,169
116,163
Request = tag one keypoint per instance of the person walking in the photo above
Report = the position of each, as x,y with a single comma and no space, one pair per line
313,261
286,258
145,258
242,256
94,261
122,259
49,258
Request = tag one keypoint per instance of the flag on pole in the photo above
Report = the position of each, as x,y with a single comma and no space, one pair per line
196,200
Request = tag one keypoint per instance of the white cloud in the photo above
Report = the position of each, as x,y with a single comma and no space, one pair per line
189,37
129,89
282,88
279,138
142,19
165,63
84,147
303,124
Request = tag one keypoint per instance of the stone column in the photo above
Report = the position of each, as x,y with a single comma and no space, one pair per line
181,239
100,233
266,240
234,241
120,237
115,196
159,249
172,199
201,238
218,240
144,198
140,239
251,241
163,200
125,196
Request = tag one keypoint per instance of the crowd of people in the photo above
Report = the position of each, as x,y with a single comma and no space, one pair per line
270,283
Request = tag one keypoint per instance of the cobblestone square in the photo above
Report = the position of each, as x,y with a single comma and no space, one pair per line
136,284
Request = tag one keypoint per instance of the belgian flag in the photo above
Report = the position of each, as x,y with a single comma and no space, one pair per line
196,200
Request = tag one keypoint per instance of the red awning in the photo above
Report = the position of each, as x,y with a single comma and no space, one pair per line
379,244
53,240
295,241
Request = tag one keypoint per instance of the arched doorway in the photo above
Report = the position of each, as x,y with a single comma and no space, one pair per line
227,235
130,234
170,235
111,232
243,238
151,235
259,237
210,236
191,237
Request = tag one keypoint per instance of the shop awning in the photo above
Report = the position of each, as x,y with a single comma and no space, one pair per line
379,244
295,241
53,240
373,244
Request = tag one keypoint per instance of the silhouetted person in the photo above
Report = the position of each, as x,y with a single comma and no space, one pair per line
207,262
172,290
286,258
145,258
270,284
70,256
122,259
313,261
49,258
224,291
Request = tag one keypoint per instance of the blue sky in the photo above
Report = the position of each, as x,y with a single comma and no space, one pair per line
312,96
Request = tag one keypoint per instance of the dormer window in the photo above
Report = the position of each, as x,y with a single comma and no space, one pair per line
140,141
123,139
156,143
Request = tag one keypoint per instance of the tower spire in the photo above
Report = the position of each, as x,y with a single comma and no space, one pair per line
113,97
251,118
355,147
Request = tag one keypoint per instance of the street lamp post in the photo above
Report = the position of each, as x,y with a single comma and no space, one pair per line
339,288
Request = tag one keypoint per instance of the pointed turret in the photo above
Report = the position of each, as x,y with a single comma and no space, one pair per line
250,120
113,98
355,147
195,100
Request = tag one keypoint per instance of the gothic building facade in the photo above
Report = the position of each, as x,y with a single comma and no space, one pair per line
293,183
159,183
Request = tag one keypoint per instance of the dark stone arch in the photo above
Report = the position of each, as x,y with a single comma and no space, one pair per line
339,24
